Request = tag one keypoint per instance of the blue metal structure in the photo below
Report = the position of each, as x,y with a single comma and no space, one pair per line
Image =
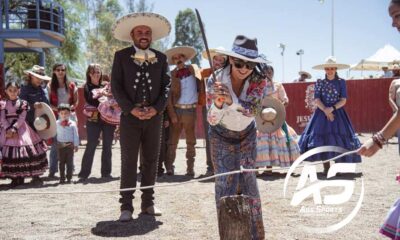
29,25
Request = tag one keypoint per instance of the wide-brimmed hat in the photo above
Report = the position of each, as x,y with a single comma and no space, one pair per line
45,121
272,116
305,73
394,67
244,48
38,71
213,53
160,26
331,62
187,51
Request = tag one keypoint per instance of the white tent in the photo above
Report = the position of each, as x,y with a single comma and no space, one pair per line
383,57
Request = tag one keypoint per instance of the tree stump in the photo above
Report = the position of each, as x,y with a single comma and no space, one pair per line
234,218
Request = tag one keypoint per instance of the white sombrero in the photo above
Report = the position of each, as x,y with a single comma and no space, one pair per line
213,53
305,73
331,62
45,122
244,48
272,115
187,51
159,25
38,71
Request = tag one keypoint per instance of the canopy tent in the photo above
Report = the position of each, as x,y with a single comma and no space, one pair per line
383,57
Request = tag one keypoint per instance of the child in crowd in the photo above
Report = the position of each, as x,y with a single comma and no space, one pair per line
67,141
24,152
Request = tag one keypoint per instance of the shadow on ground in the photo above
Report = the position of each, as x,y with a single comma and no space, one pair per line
139,226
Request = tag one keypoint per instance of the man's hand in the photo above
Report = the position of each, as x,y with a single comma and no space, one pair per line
76,149
137,112
144,113
174,119
149,113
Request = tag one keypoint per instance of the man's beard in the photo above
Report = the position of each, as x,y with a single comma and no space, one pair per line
139,44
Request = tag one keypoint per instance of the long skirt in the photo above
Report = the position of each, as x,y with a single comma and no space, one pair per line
229,151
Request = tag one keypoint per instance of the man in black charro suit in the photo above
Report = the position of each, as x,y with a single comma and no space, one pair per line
140,84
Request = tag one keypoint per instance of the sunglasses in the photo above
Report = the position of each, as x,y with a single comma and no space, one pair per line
239,64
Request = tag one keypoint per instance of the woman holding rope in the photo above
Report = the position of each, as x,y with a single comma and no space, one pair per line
391,226
236,95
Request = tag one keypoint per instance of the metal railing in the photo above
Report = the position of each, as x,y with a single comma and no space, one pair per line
31,14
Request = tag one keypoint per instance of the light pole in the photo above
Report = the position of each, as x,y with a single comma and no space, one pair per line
300,54
332,26
282,47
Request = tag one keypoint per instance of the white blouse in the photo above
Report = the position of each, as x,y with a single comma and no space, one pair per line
233,117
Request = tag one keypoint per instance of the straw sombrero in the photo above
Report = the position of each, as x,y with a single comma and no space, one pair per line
305,73
159,25
244,48
45,122
272,115
213,52
331,62
187,51
38,71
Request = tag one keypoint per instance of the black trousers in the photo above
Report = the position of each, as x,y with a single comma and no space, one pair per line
65,157
93,133
137,133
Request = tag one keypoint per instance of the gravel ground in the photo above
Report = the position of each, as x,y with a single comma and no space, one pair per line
189,210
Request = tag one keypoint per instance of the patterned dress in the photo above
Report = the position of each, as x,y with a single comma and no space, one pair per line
25,154
322,132
108,108
279,148
233,144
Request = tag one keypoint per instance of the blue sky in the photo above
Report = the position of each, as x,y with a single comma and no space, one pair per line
361,28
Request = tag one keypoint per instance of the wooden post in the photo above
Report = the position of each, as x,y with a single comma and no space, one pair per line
234,218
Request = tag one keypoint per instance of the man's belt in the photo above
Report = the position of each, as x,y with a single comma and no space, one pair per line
186,106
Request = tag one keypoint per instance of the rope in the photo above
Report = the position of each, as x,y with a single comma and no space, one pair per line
242,170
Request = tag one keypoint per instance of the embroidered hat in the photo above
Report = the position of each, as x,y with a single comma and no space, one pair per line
45,121
38,71
305,73
331,62
160,26
244,48
272,115
187,51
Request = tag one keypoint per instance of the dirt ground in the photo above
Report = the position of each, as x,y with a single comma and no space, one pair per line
189,210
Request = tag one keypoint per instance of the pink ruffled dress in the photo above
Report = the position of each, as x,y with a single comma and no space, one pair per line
25,154
108,108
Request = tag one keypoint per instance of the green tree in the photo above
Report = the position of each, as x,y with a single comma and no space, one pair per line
187,32
70,51
101,44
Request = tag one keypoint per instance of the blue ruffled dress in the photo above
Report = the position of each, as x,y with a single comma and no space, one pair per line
322,132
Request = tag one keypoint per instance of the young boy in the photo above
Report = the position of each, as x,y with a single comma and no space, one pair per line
182,106
67,141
